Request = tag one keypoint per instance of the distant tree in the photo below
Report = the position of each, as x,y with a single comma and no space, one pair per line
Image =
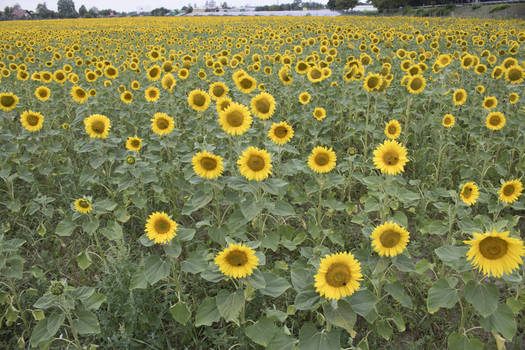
224,5
331,4
161,11
93,12
187,9
343,5
43,12
382,5
82,11
8,12
66,9
105,12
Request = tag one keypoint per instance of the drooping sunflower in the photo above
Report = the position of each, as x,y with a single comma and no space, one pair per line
319,113
393,129
284,75
280,133
168,82
153,73
152,94
490,102
263,105
304,97
339,276
514,74
218,90
235,119
510,191
97,125
32,121
222,103
495,253
133,143
459,97
8,101
495,120
448,121
79,95
162,124
469,193
160,228
372,82
207,165
199,100
42,93
83,205
237,261
255,164
322,159
126,97
389,239
390,157
416,84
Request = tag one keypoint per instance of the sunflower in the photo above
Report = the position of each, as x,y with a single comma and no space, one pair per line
304,97
495,121
338,276
255,164
480,89
153,73
372,82
111,72
469,193
218,90
319,113
495,253
42,93
152,94
160,228
393,129
444,60
183,73
126,97
135,85
513,98
222,103
263,105
162,124
235,119
83,205
133,143
448,121
390,157
168,82
322,159
246,84
207,165
97,125
237,261
199,100
389,239
32,121
510,191
514,74
280,133
79,95
315,74
490,102
416,84
459,97
284,75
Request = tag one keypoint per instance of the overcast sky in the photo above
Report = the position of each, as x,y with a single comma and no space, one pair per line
134,5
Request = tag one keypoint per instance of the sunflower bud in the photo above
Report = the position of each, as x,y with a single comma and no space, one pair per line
56,287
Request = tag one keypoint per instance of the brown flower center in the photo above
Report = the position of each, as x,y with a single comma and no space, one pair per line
135,143
162,123
235,118
32,119
392,129
262,105
391,158
152,93
494,120
322,159
83,204
390,238
514,74
256,162
218,91
7,101
80,93
98,126
199,100
508,190
280,132
372,82
162,226
338,275
208,163
316,74
246,83
493,248
416,84
236,258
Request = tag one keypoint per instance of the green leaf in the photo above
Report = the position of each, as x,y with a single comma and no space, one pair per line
454,257
92,225
65,227
230,305
84,260
86,323
54,322
138,280
441,294
196,263
282,208
250,208
113,231
180,312
94,301
281,341
155,269
173,249
275,285
256,280
262,331
199,200
311,339
384,329
484,297
397,291
363,302
104,205
458,341
185,234
343,316
274,186
301,278
39,333
207,313
45,301
503,321
307,299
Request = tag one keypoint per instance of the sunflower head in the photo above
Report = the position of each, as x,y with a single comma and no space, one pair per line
199,100
416,84
390,157
162,124
263,105
111,72
280,133
513,98
319,113
32,121
510,191
153,73
448,121
83,205
235,119
393,129
218,90
495,253
389,239
160,228
339,276
322,159
133,144
495,121
222,103
237,261
42,93
459,97
469,193
372,82
126,97
490,102
207,165
304,97
246,83
152,94
514,74
97,126
315,74
168,82
255,164
79,95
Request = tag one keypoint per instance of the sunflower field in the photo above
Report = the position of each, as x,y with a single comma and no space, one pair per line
262,183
